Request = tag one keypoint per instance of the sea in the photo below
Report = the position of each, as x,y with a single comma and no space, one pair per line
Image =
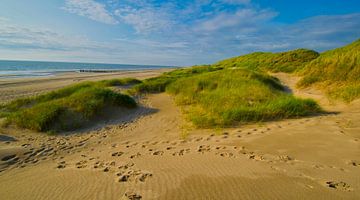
24,69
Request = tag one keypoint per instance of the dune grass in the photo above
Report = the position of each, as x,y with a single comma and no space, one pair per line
346,93
219,96
336,71
159,84
232,96
65,109
289,61
119,82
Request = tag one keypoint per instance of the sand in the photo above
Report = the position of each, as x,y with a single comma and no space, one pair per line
15,88
155,154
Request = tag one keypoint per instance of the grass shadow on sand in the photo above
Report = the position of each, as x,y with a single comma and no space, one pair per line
112,116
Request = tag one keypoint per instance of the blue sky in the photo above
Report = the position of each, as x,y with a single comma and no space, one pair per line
170,32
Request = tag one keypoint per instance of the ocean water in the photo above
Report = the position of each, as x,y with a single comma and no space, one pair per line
21,69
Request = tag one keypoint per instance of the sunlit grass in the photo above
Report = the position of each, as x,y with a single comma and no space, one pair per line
289,61
336,71
65,109
159,84
232,96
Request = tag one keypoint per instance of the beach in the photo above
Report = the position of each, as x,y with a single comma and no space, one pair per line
154,153
18,87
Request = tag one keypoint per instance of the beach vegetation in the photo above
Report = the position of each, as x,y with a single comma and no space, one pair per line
290,61
233,96
159,84
337,72
65,109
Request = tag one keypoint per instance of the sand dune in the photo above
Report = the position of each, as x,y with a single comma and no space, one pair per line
149,157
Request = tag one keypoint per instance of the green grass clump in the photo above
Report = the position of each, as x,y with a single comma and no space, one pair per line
158,84
120,82
289,61
65,109
232,96
336,71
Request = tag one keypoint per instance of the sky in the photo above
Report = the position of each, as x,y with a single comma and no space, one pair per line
173,32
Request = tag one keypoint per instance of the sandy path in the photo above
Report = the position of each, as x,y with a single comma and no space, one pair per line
310,158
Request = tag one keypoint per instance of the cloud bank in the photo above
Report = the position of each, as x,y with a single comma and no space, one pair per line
179,32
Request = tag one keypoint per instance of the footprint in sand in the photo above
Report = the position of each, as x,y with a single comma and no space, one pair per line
181,152
133,176
339,185
81,164
106,169
61,165
126,166
112,163
132,196
220,147
123,178
285,158
135,155
169,148
158,153
256,157
354,163
99,164
204,148
225,154
244,151
119,153
225,137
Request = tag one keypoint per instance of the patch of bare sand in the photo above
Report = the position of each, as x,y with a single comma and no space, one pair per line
146,158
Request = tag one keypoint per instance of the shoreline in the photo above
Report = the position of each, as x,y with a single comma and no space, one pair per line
20,87
50,73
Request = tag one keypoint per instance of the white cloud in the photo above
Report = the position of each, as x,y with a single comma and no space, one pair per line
91,9
155,44
246,17
31,43
145,19
13,36
319,33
